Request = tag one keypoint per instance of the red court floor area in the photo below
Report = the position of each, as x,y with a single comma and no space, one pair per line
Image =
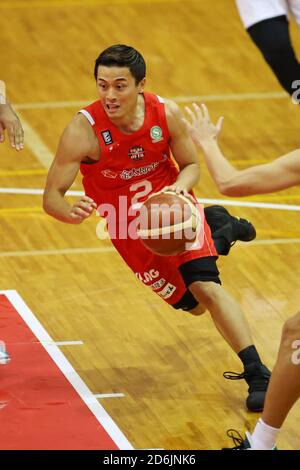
39,408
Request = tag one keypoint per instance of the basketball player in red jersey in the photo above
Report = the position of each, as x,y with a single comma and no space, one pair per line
279,174
122,143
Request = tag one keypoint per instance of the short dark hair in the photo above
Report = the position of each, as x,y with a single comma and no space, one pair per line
122,56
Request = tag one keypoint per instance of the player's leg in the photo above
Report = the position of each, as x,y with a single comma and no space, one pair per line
201,276
225,312
283,390
209,295
284,387
267,25
286,371
272,37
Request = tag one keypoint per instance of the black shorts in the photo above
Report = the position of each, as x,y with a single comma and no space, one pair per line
200,269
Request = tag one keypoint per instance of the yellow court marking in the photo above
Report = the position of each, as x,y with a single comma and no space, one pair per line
278,234
37,171
80,3
21,210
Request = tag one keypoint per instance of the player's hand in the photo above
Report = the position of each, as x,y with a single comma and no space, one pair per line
178,189
10,121
200,127
82,209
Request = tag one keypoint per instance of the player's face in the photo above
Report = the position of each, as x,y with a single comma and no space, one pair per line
118,91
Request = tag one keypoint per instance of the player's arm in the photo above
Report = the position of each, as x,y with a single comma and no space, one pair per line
277,175
183,149
10,121
274,176
74,145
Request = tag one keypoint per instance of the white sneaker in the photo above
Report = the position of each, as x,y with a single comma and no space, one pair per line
240,443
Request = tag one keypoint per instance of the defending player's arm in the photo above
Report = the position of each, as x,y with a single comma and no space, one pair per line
183,150
74,145
274,176
10,121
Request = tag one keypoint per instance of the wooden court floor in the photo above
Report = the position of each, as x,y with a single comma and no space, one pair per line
167,364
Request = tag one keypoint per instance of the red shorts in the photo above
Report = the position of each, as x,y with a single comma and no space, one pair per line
162,273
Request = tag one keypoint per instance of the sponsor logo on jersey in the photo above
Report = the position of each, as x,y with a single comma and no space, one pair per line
167,291
143,170
109,173
136,153
106,136
148,276
158,284
156,134
152,275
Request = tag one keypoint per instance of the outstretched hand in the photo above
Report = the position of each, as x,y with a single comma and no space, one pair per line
10,121
200,127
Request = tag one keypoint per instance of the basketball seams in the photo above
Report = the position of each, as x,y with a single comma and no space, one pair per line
194,217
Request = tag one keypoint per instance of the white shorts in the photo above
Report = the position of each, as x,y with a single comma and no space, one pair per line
254,11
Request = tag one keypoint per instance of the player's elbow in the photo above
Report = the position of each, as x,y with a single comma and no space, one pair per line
46,202
49,201
230,188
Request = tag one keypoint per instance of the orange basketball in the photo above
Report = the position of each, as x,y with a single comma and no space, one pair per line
169,223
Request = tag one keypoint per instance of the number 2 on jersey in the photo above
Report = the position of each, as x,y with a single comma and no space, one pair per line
144,187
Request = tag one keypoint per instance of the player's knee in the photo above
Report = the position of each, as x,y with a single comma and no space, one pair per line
197,311
207,293
291,328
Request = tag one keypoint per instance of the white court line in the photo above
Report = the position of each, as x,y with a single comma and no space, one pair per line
108,249
67,369
231,97
35,192
258,205
223,202
109,395
68,343
276,241
37,146
63,251
58,343
177,99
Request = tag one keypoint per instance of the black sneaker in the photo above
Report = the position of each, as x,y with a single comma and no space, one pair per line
227,229
243,230
257,377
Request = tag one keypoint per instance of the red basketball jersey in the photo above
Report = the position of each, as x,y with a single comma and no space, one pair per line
129,159
130,168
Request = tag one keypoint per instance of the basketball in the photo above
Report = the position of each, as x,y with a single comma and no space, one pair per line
169,223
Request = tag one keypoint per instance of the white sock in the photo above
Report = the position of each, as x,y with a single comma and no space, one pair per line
263,436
